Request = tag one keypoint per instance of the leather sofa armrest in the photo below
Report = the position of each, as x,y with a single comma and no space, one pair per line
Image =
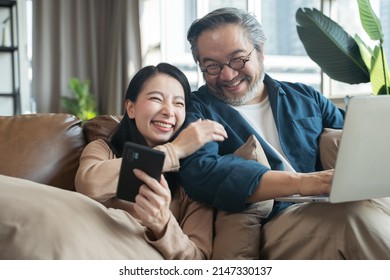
101,127
44,148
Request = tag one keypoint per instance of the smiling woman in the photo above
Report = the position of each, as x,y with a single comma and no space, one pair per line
163,222
158,113
156,101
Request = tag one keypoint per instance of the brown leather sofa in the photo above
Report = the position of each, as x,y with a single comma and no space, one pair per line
46,148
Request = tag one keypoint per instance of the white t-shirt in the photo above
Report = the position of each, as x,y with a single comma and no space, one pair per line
260,117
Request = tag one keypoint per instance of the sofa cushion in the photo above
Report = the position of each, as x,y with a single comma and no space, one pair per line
329,146
100,127
41,222
237,235
44,148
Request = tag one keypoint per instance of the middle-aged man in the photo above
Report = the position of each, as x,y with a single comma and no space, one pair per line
287,119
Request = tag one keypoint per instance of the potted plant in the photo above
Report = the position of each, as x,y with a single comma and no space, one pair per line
342,57
82,105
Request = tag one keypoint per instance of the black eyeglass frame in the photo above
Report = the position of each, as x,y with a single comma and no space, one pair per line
244,60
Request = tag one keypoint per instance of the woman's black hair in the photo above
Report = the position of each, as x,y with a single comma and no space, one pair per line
127,129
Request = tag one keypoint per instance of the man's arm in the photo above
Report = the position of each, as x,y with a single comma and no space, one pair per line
298,183
280,183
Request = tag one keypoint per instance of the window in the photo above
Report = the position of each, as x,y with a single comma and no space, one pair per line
164,24
286,57
353,26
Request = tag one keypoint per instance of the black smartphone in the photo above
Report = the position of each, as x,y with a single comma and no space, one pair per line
141,157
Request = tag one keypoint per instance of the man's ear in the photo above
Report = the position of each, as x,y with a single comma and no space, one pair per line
130,108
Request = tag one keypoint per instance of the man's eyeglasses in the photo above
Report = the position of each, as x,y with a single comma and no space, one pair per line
236,63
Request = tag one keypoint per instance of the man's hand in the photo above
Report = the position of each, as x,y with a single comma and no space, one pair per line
316,183
275,184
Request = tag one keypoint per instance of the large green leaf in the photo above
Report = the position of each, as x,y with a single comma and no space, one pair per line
379,73
333,49
370,21
365,51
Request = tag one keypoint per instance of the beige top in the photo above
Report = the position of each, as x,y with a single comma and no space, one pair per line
189,231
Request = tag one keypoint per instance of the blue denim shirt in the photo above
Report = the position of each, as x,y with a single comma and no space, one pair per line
215,176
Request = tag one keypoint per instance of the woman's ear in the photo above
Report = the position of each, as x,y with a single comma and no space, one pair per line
130,108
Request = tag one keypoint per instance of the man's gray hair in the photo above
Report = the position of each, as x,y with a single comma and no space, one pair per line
223,16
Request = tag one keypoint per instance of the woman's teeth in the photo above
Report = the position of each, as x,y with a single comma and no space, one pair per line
166,125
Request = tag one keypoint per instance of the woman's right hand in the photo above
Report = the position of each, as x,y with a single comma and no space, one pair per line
152,203
196,134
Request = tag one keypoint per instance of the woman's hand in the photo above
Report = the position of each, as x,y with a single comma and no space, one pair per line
152,203
196,134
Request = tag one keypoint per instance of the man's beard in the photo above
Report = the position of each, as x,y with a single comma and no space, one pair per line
252,93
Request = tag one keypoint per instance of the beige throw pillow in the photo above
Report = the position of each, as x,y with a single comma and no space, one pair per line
253,150
329,147
42,222
237,235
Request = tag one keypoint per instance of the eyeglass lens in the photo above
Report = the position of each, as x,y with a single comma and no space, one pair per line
235,63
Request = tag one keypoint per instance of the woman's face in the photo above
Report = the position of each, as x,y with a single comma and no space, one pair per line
159,110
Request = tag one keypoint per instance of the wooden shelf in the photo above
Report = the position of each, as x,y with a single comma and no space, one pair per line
8,49
12,51
7,3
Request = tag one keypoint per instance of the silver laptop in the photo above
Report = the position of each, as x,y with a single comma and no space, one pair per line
362,168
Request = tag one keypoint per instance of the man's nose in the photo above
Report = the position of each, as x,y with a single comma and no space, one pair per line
227,73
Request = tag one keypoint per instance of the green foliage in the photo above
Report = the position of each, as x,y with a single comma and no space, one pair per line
82,105
342,57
